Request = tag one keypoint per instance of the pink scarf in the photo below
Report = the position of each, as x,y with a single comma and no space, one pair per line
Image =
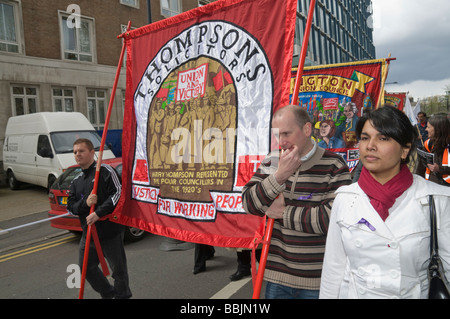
382,197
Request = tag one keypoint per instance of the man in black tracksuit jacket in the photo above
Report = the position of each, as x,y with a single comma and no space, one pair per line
110,234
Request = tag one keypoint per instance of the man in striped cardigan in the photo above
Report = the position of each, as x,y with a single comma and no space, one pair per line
295,186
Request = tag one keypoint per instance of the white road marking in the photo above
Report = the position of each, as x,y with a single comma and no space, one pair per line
230,289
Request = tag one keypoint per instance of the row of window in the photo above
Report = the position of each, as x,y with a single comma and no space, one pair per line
340,20
340,32
77,34
25,100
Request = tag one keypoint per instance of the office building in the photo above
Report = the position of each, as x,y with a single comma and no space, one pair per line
341,31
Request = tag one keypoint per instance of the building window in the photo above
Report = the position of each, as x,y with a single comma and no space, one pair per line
77,40
96,102
131,3
9,39
24,100
322,18
63,100
170,8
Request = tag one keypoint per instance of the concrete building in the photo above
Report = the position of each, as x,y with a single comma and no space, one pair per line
341,31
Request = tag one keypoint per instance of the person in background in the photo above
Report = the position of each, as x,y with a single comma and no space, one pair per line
110,234
201,255
422,125
439,144
378,239
296,187
244,259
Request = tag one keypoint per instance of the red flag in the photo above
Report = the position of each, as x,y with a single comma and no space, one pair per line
229,71
162,93
396,100
221,80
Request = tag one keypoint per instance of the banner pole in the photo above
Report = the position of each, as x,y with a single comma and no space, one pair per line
97,174
263,259
383,81
269,226
301,62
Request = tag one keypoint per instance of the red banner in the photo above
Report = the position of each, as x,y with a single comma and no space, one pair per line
201,90
396,100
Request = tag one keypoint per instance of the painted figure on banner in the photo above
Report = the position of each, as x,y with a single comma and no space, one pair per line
192,130
347,129
327,134
155,129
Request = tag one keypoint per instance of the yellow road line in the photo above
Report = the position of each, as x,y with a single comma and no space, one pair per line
37,248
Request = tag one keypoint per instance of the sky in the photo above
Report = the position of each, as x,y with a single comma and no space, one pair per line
417,34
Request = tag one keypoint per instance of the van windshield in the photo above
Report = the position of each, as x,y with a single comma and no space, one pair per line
63,141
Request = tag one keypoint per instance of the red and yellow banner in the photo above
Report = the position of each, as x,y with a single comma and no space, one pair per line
335,97
201,90
396,100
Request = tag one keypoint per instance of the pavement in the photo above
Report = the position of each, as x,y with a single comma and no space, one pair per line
24,217
27,200
30,204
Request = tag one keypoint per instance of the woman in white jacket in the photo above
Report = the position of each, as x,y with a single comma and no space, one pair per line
378,242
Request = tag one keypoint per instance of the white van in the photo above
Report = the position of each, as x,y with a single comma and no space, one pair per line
38,147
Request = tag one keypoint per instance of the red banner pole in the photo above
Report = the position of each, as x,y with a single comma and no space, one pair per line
97,174
263,259
269,227
301,61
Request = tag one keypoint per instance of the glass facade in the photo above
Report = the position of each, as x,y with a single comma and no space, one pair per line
341,32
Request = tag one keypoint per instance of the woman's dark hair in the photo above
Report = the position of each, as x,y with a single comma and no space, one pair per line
392,123
441,138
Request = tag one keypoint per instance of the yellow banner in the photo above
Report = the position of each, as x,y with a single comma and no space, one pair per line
334,84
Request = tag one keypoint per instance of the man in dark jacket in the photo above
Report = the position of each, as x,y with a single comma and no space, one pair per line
422,125
110,234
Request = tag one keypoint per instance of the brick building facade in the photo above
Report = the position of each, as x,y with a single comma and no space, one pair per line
62,55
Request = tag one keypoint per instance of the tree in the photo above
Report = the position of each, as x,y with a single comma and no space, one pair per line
438,103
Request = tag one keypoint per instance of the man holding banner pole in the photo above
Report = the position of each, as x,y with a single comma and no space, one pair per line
295,186
110,234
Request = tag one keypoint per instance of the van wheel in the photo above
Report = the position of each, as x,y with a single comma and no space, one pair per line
13,183
51,180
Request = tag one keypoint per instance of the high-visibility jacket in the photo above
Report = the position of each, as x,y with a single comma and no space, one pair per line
429,147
